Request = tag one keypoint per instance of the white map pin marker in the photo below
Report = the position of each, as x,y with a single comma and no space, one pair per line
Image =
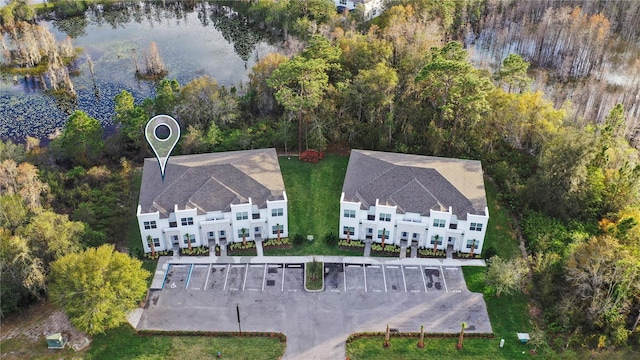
161,143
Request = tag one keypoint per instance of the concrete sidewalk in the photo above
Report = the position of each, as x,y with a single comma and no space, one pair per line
164,261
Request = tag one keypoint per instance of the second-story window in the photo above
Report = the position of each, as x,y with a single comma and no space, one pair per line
150,225
242,215
384,217
186,221
277,212
439,223
350,214
475,226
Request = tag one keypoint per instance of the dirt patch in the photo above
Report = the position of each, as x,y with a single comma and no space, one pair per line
41,320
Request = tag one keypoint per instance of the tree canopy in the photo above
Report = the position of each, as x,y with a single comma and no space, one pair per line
98,287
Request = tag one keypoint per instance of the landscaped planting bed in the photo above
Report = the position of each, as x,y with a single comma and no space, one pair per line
240,249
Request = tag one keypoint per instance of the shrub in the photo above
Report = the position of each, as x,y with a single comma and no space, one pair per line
298,239
331,238
241,246
195,251
312,156
148,256
352,243
489,252
276,242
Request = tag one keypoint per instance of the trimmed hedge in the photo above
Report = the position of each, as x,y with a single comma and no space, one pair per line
282,337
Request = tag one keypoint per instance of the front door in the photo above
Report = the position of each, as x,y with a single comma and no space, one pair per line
451,241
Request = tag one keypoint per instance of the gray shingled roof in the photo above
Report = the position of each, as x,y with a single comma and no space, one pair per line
415,183
211,182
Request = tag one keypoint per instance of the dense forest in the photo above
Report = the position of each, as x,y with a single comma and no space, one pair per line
556,131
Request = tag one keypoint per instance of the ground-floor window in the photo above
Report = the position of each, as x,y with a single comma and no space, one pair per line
433,239
386,234
274,229
156,242
348,230
472,242
189,238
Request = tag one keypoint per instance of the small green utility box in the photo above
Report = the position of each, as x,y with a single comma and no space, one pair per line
55,341
523,337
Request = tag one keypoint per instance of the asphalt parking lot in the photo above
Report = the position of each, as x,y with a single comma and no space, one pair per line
339,277
357,297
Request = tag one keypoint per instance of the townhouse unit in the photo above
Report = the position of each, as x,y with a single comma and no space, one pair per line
210,199
370,8
413,199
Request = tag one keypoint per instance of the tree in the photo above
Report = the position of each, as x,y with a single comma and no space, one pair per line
603,280
150,243
51,236
264,99
22,179
507,276
11,151
513,73
373,94
299,85
22,275
202,103
98,287
456,94
81,141
244,236
463,326
132,118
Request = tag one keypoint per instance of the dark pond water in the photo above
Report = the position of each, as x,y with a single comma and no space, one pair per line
202,40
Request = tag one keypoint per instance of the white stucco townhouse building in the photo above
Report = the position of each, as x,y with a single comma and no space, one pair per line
208,199
414,199
370,8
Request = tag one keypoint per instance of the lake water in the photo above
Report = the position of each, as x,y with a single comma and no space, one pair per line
188,42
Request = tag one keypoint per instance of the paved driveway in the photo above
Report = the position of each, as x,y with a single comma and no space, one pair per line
357,297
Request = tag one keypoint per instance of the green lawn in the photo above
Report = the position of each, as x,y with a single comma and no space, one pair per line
123,343
314,192
499,231
438,348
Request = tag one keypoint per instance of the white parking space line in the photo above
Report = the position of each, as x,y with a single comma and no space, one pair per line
451,268
424,281
364,272
403,279
244,282
206,282
186,286
264,276
226,277
283,270
384,278
443,279
344,275
178,266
